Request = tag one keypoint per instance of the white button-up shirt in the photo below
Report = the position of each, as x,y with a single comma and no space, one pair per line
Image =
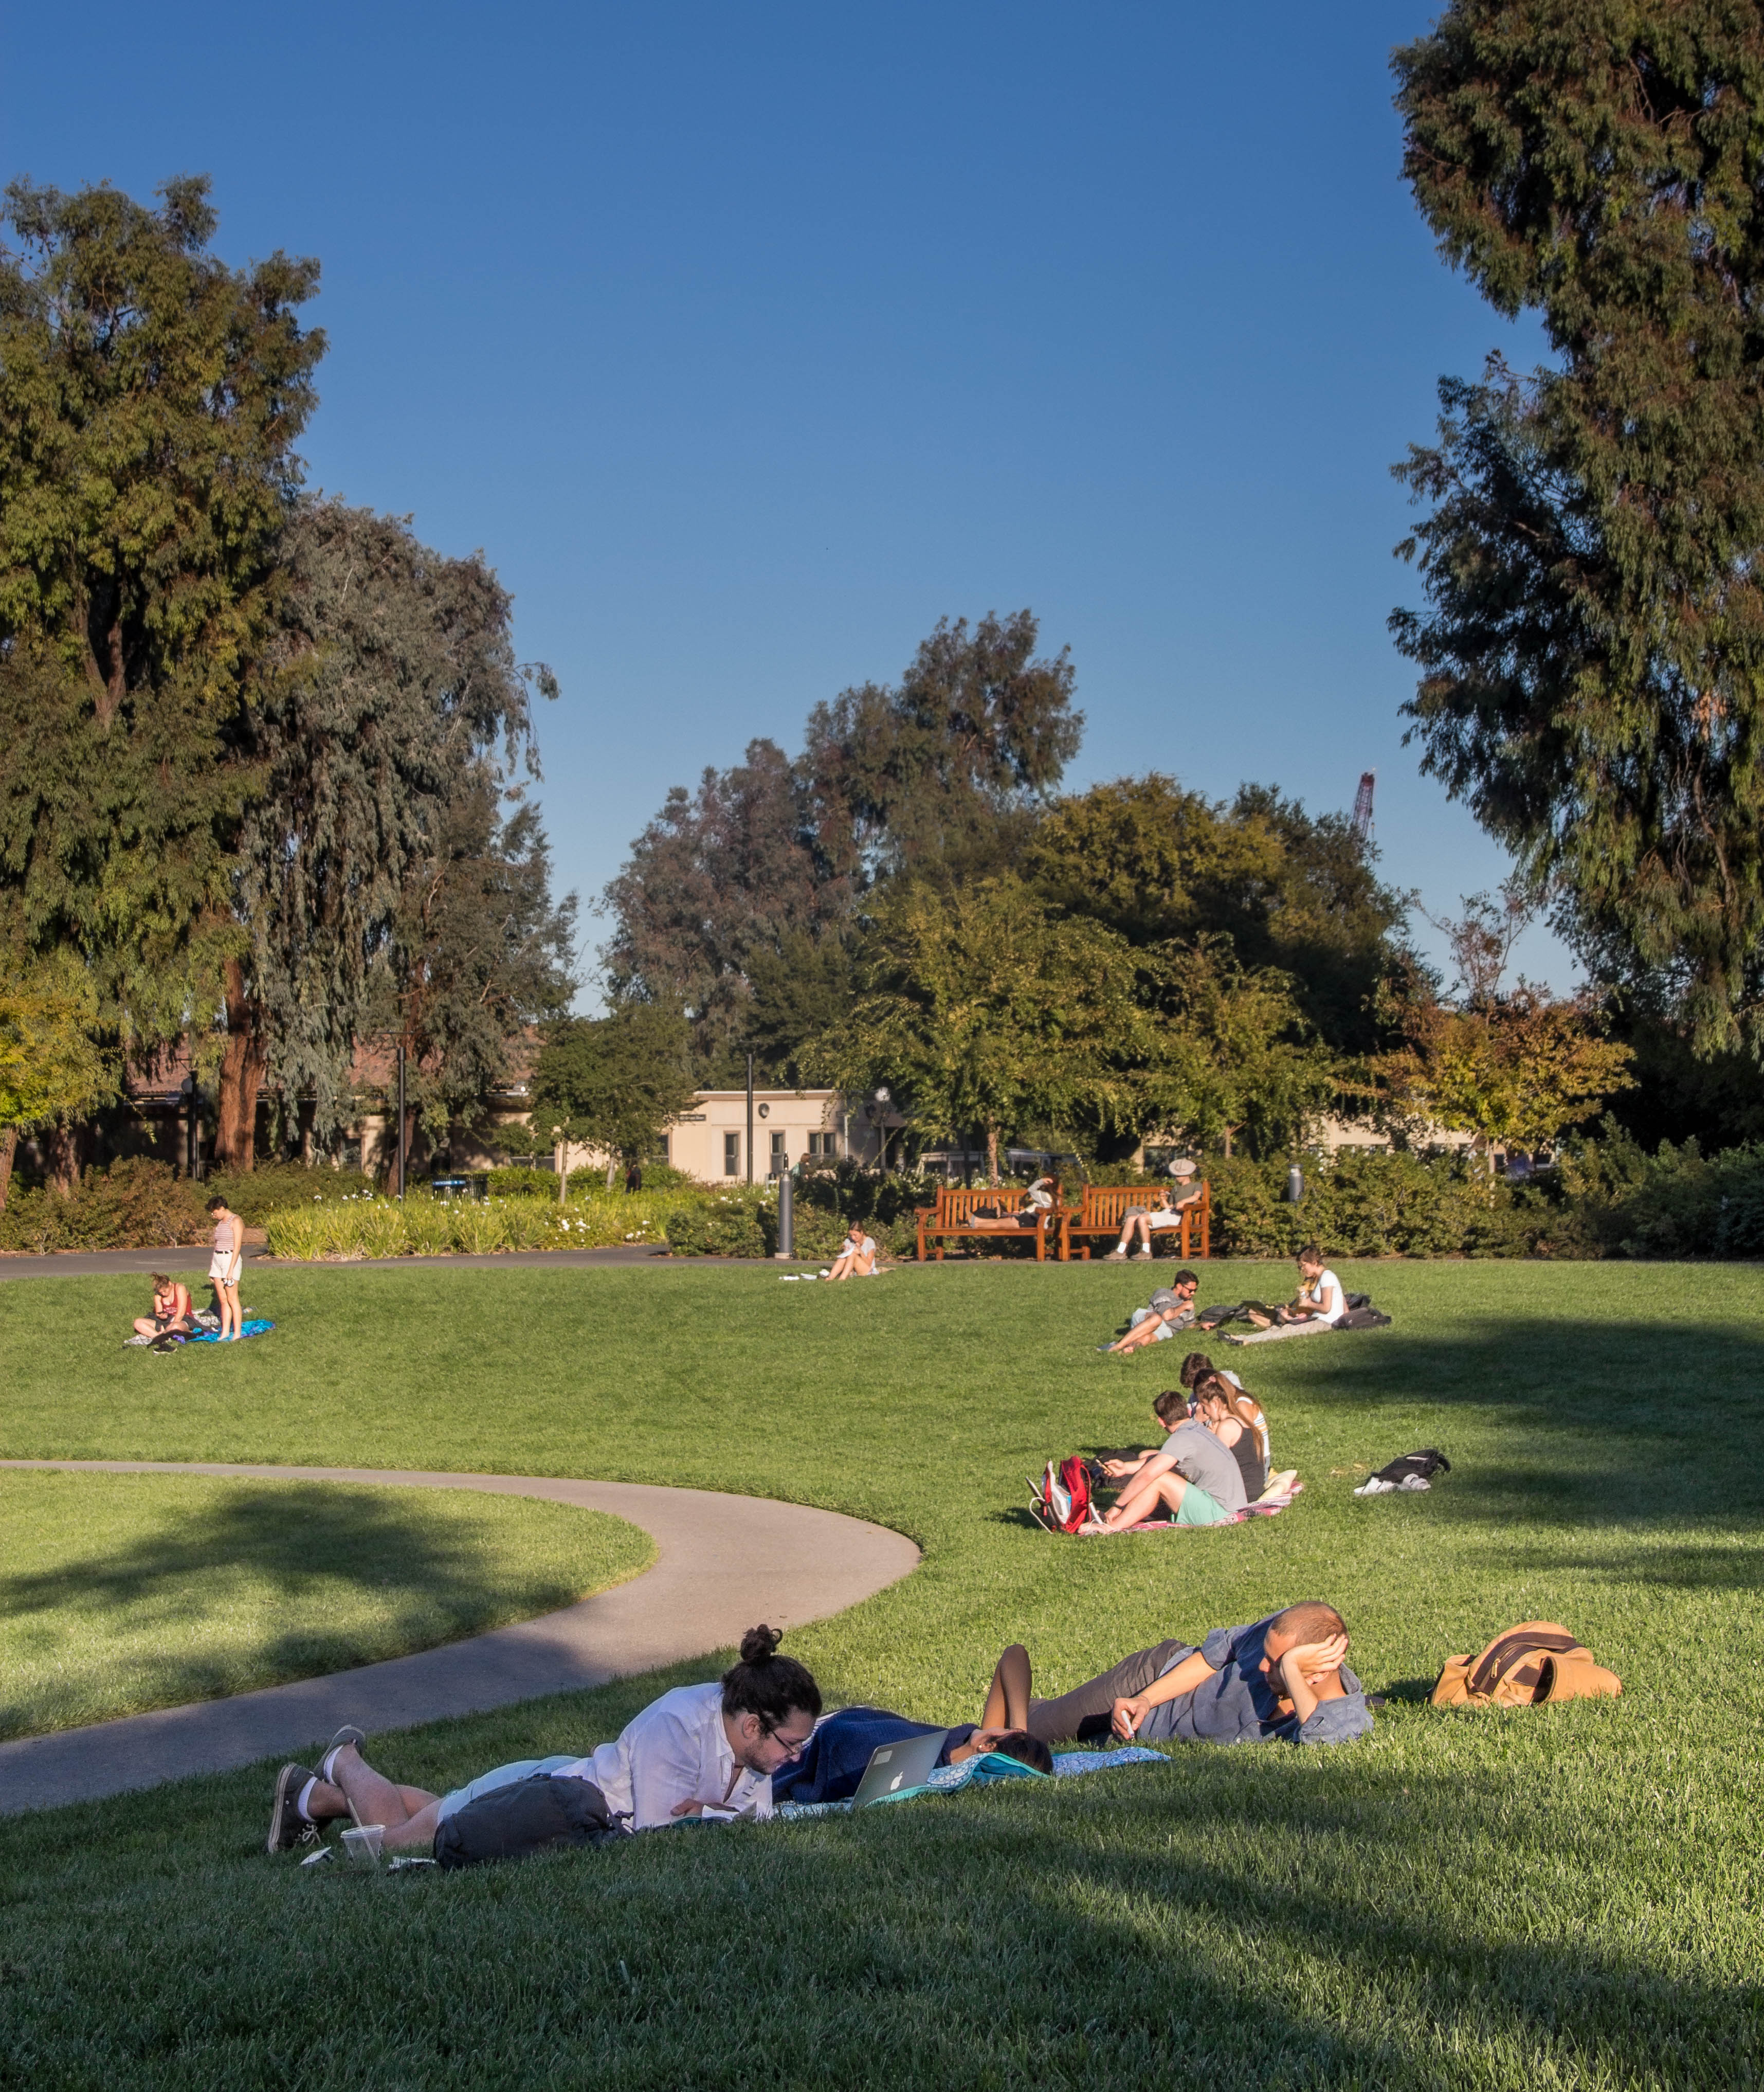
676,1750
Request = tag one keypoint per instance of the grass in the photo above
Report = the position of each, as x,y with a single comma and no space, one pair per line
121,1592
1538,1897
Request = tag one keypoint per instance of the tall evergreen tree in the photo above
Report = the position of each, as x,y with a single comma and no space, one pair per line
149,400
395,681
1593,652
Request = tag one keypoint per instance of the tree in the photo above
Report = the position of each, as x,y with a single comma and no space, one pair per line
51,1068
614,1083
1592,652
395,680
987,1009
977,729
796,993
150,398
476,953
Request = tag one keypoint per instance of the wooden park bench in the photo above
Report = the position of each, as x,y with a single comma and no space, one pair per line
1103,1212
951,1219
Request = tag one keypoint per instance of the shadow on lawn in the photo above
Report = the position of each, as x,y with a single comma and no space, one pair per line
428,1580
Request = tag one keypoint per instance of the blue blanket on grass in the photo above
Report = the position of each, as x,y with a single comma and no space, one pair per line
986,1770
254,1327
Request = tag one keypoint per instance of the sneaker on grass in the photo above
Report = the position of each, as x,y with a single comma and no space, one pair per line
288,1828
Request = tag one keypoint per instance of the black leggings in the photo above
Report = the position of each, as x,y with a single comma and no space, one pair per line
1087,1710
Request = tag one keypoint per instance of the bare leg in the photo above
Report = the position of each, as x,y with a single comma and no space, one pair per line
1007,1697
145,1326
327,1802
1142,1498
369,1797
230,1307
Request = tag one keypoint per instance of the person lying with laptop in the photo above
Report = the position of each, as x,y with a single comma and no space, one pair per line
701,1750
1285,1677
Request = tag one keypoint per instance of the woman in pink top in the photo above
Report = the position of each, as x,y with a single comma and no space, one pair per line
223,1267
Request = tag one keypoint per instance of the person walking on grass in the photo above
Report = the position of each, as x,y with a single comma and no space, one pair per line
224,1266
699,1747
1283,1678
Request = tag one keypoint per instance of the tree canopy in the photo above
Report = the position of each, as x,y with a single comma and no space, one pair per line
614,1083
1592,655
51,1066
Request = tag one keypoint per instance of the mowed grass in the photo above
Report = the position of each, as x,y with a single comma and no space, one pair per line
1548,1897
122,1592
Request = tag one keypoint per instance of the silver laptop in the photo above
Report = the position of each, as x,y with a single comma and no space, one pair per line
898,1769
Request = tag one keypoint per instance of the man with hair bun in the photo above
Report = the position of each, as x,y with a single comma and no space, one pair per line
699,1749
1283,1677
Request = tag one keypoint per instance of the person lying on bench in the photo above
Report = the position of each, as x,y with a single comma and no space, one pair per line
1285,1677
1035,1202
172,1308
857,1254
833,1766
1144,1221
1192,1474
1172,1308
700,1747
1320,1305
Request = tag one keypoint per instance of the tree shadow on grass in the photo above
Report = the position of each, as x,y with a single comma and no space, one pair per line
420,1579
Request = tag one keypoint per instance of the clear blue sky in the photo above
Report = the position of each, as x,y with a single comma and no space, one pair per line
747,341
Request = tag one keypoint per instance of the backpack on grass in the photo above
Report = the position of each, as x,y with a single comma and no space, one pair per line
1060,1501
1535,1662
533,1815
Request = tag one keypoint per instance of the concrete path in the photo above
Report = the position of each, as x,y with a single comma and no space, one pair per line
94,1263
723,1564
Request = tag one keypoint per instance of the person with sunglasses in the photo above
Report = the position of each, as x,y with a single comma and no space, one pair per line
698,1750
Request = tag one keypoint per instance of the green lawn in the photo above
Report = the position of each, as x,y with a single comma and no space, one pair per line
1539,1898
119,1592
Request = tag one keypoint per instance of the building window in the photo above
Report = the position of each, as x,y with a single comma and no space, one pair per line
822,1144
780,1159
732,1155
661,1148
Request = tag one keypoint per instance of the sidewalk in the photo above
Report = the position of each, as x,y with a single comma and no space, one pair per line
92,1263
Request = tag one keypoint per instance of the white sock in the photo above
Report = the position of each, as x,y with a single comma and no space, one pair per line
327,1765
303,1807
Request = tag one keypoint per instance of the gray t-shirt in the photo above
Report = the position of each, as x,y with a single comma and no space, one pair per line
1201,1458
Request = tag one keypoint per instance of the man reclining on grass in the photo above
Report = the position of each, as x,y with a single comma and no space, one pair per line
1172,1308
1283,1677
700,1747
1192,1474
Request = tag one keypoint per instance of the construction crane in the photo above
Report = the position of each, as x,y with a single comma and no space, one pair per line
1362,805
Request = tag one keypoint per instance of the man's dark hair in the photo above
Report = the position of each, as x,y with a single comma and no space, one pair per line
1171,1407
767,1684
1311,1620
1184,1277
1026,1749
217,1203
1196,1363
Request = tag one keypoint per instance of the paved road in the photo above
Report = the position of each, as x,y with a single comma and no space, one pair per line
724,1564
89,1263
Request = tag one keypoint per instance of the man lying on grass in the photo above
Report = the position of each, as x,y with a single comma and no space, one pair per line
1172,1308
699,1747
1282,1677
1192,1474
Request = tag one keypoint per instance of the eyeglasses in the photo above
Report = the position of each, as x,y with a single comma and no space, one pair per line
793,1747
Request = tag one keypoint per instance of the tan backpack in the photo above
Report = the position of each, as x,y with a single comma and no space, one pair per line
1535,1661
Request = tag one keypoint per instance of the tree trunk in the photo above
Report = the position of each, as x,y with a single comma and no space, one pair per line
612,1172
9,1143
1227,1143
64,1145
992,1152
560,1162
242,1073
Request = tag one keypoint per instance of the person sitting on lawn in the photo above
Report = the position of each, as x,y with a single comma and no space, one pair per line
1144,1221
173,1308
1285,1677
224,1265
1172,1308
699,1747
1244,1405
1191,1475
1213,1405
1320,1305
857,1254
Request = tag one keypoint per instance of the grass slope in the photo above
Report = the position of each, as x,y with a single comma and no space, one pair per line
121,1592
1540,1898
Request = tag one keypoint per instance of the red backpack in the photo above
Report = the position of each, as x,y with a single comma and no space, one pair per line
1060,1501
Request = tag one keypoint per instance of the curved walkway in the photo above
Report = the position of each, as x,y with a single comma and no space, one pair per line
722,1563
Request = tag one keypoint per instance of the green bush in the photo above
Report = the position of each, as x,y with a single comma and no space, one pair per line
136,1204
739,1223
427,1224
254,1195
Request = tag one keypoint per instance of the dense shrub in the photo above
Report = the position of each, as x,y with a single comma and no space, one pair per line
1361,1202
134,1204
742,1223
254,1195
1675,1203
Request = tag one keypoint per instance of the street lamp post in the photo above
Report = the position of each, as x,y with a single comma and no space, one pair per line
401,1148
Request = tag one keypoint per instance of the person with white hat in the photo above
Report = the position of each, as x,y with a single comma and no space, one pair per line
1144,1222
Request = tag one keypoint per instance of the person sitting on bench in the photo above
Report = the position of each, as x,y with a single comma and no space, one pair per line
173,1308
1144,1222
1320,1305
857,1254
1285,1677
1172,1308
833,1766
700,1747
1192,1474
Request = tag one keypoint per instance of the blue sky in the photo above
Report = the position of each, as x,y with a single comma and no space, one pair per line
749,342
